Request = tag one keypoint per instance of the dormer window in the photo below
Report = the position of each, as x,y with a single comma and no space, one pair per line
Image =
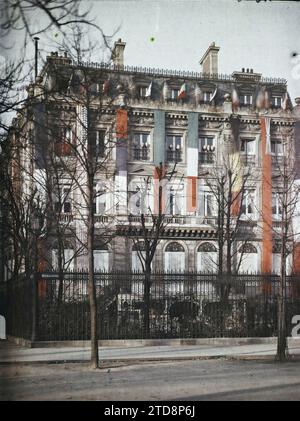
142,91
174,93
207,96
246,99
276,101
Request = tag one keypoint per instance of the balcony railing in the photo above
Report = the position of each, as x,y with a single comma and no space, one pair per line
248,160
277,160
65,218
207,157
141,154
174,156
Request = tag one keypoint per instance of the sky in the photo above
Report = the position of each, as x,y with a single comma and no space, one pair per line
263,36
174,34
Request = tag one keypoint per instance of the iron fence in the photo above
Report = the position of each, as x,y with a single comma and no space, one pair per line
187,305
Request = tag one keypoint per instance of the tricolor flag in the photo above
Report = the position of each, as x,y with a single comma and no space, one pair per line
182,92
284,104
213,95
235,99
268,137
148,91
106,87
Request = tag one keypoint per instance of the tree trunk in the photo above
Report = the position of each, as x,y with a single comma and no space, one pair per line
91,283
147,300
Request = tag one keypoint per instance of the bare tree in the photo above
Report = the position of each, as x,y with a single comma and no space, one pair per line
151,224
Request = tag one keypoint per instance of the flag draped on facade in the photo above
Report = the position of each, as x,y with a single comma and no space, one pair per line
284,104
266,264
182,92
213,95
235,100
106,87
149,91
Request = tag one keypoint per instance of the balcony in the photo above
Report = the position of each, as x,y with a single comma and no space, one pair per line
174,156
65,218
207,157
248,160
277,160
141,154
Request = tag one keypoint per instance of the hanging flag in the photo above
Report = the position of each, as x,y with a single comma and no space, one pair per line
166,91
260,99
268,137
197,94
213,95
235,100
149,91
106,87
284,104
121,124
266,100
182,92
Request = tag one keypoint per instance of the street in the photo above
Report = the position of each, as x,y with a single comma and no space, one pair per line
212,379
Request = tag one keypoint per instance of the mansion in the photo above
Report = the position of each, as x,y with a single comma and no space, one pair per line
199,128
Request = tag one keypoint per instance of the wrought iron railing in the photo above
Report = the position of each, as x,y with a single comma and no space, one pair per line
171,72
174,156
207,157
182,305
141,154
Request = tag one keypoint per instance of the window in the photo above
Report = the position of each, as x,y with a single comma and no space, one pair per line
276,147
142,91
137,249
206,150
64,138
94,88
174,258
248,258
97,141
246,99
175,198
63,201
248,203
101,257
276,204
174,148
207,258
99,202
68,259
206,202
174,93
207,96
141,146
276,101
248,151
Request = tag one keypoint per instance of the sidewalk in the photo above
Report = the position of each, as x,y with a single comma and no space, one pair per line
11,353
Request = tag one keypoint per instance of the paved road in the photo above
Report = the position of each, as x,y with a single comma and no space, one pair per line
213,379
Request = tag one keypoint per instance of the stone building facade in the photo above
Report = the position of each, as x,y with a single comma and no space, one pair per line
192,124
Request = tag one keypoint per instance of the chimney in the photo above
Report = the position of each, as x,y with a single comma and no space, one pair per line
118,53
209,61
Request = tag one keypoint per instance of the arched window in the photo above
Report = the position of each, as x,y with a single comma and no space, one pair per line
101,257
174,257
207,257
248,258
137,248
